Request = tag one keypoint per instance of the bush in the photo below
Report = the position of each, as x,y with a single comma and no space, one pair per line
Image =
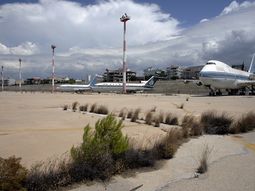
171,119
100,147
244,124
161,117
181,106
84,107
135,115
12,174
215,124
74,106
102,110
93,108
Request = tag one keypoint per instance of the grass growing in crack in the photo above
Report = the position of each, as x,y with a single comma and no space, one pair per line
75,106
203,160
102,110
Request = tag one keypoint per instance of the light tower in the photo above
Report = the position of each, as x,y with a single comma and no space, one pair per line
2,77
20,74
53,68
124,19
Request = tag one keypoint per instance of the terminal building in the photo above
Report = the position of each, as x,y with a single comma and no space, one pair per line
117,75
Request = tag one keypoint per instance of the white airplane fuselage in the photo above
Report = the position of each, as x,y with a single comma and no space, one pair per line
118,87
218,75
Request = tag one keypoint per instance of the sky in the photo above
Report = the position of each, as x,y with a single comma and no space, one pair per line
88,34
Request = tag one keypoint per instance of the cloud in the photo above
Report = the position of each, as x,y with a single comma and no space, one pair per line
234,6
89,37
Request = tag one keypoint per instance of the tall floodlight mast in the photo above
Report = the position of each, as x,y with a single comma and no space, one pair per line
20,74
53,68
124,19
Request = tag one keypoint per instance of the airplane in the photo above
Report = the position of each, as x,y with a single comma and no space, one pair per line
118,87
78,88
218,76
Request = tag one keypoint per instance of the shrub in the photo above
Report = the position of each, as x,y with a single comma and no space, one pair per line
100,147
12,174
203,160
187,98
130,114
135,115
216,124
153,109
65,107
244,124
171,119
148,118
161,117
84,107
93,108
102,110
74,106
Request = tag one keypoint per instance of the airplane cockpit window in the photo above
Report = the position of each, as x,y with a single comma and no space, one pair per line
210,63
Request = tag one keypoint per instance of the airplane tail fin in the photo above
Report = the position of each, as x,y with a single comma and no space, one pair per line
252,60
151,82
93,81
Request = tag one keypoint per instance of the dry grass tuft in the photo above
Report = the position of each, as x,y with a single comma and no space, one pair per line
191,126
74,106
214,123
123,113
171,119
244,124
65,107
135,115
93,108
181,106
84,107
153,109
149,118
203,160
130,114
102,110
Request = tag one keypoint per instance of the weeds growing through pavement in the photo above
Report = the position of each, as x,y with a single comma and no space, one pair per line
203,160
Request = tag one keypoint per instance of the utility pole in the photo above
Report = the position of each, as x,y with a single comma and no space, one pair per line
2,77
53,68
20,74
124,19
